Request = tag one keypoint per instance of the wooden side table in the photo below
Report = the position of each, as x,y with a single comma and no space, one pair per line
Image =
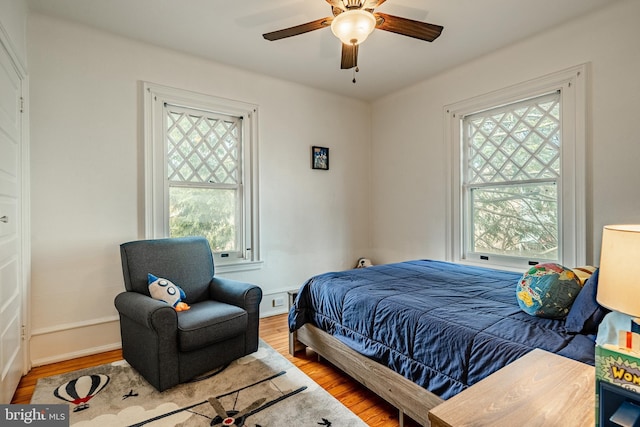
539,389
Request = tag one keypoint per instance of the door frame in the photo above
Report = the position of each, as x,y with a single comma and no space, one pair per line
24,229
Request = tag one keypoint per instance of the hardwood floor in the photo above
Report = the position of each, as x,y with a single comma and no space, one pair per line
28,382
273,330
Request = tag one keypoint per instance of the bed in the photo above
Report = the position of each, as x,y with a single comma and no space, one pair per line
419,332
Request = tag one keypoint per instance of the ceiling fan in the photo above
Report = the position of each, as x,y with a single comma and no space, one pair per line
353,21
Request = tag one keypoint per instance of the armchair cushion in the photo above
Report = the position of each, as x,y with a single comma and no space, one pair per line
209,322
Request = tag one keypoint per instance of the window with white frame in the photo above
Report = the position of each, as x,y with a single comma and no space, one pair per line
201,172
517,174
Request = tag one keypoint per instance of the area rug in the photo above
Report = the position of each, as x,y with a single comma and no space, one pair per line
259,390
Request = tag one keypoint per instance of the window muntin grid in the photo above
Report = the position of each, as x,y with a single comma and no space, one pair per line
518,142
203,147
510,178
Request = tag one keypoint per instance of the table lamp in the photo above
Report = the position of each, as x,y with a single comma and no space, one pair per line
619,281
619,290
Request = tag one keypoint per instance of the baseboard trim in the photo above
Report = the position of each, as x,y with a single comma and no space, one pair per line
108,319
69,327
65,327
75,325
276,311
74,355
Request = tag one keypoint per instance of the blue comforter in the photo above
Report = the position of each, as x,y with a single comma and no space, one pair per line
444,326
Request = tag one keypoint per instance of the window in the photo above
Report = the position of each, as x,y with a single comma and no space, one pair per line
517,174
511,169
201,172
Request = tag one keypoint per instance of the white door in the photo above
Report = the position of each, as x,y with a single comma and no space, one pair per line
11,289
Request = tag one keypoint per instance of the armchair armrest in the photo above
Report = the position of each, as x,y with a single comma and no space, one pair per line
241,294
146,311
149,333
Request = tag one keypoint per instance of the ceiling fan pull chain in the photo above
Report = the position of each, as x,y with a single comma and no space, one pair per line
355,60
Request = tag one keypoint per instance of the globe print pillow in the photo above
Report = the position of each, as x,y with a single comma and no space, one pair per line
548,290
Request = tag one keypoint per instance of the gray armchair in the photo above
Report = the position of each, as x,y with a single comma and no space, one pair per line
168,347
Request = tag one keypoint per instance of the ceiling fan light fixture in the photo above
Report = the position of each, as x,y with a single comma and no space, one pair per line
353,26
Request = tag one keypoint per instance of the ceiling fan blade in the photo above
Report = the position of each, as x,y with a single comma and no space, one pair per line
349,56
372,4
408,27
299,29
336,3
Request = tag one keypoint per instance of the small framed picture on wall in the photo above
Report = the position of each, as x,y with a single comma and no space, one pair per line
319,158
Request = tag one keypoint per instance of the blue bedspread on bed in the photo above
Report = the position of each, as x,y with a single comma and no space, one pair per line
444,326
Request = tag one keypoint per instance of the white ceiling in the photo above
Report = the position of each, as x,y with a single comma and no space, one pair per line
230,31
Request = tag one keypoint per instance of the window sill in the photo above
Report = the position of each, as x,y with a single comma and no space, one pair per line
495,266
238,266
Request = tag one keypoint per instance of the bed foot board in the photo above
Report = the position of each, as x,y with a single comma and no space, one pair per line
408,397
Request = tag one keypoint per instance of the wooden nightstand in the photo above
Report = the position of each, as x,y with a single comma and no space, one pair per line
539,389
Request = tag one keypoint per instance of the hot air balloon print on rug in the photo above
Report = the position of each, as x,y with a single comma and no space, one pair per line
82,389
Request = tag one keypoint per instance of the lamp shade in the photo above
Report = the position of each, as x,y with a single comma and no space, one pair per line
619,281
353,26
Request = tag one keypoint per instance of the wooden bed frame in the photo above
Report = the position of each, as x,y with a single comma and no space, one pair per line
407,396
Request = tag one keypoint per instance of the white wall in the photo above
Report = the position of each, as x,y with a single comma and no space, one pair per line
13,24
87,154
408,203
87,172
